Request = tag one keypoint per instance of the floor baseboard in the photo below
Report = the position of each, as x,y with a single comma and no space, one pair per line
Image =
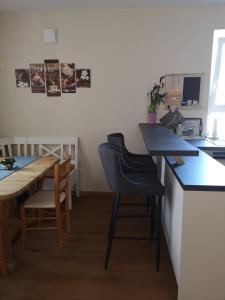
98,194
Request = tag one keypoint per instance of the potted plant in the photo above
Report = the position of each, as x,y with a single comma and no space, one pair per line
8,162
155,97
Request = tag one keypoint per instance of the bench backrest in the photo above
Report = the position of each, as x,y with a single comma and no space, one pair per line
60,147
13,146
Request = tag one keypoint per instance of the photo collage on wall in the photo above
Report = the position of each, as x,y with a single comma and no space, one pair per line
53,78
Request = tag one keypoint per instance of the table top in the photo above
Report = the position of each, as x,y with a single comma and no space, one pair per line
20,162
17,182
160,141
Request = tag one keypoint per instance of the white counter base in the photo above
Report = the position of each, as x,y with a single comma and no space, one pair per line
194,226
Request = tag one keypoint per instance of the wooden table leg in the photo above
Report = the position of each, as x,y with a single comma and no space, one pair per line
7,261
3,265
3,249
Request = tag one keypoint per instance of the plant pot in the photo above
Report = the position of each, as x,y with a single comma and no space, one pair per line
9,166
152,117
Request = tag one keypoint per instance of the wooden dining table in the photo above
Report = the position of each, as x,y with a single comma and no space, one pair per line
11,187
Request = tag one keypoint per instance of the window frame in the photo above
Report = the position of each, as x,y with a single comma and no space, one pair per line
212,101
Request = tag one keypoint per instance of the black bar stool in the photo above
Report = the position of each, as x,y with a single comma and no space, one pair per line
130,183
141,161
131,161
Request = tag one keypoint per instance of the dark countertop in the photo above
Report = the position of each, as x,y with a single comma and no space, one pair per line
198,173
207,144
160,141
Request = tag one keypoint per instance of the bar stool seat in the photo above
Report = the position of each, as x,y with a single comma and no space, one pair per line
141,159
151,181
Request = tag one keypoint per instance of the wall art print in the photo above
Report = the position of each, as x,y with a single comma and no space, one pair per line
22,78
83,78
68,80
52,76
37,76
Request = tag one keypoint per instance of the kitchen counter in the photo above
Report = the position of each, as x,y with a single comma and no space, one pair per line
192,213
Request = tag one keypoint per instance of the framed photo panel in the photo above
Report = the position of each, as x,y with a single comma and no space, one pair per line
83,78
22,78
52,78
192,127
37,78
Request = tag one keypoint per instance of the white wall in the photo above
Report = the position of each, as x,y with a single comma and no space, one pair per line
127,50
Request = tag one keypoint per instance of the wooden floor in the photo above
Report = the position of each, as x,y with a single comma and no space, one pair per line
76,272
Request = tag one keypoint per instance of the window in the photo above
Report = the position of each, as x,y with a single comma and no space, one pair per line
216,108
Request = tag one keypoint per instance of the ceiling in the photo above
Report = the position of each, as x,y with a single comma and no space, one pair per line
58,5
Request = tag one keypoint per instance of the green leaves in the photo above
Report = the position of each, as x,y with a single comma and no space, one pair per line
156,96
8,162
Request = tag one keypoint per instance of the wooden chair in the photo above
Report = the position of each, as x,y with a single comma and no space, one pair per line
44,201
13,146
60,147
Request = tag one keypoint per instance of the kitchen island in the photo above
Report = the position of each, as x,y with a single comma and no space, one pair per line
193,219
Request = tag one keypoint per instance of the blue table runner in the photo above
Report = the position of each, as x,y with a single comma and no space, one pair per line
21,161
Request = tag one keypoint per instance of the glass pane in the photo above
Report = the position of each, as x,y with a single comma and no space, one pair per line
220,91
174,90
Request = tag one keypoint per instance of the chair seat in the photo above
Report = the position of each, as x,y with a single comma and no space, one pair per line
49,185
147,166
43,199
142,178
147,181
142,159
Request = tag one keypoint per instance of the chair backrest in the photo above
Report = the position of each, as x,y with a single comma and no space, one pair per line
117,134
116,141
61,177
112,166
118,138
59,147
13,146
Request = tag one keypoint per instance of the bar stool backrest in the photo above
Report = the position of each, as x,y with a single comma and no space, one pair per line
116,141
112,167
118,138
